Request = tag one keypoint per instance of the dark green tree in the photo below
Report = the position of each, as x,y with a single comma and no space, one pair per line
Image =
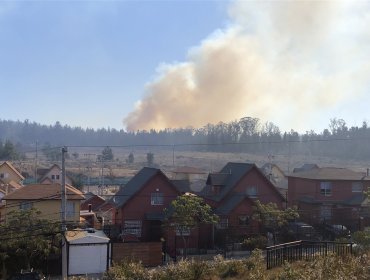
8,151
150,158
26,240
107,154
131,158
271,217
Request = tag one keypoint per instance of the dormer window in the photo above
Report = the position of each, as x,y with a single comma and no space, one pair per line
252,191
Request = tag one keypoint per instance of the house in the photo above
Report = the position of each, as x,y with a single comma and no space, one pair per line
47,199
52,175
305,167
139,205
194,177
330,195
276,176
10,186
92,202
232,192
9,173
87,252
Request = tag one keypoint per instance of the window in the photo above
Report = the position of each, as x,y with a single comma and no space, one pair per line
252,191
57,177
2,175
25,205
223,223
70,209
356,187
53,177
243,220
325,213
182,231
325,188
157,198
132,227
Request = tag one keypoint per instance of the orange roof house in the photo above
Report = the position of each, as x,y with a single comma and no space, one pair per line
47,199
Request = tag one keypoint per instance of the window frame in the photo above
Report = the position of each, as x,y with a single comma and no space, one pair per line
156,198
132,227
326,188
357,184
252,191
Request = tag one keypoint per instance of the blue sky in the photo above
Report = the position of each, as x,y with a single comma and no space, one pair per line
85,63
144,64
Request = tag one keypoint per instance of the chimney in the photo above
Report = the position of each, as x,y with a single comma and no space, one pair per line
89,207
367,172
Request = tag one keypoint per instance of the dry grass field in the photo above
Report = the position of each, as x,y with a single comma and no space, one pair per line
86,162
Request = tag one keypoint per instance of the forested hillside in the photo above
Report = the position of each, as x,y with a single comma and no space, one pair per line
247,135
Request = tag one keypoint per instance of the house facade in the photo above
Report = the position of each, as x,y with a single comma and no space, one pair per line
47,199
330,195
232,192
139,205
52,175
9,173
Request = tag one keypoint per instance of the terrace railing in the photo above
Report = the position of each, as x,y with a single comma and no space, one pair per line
304,250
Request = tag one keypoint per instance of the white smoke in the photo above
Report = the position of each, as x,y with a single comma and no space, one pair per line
281,61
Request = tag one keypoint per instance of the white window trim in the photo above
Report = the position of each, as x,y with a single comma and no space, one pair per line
357,184
132,227
326,188
156,198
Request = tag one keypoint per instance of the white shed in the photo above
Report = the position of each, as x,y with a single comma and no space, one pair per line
88,252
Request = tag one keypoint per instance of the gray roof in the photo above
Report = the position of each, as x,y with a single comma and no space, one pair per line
331,173
228,177
134,185
305,167
229,204
182,186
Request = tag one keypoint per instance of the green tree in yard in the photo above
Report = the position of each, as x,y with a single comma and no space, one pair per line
271,217
186,212
107,154
26,241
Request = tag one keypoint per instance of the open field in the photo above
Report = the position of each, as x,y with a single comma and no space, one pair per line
168,159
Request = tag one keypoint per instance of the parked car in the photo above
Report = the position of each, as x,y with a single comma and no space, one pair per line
332,232
300,231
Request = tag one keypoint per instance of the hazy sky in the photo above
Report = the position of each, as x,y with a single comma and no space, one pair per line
159,64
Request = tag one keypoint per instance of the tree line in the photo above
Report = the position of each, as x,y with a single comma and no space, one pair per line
248,135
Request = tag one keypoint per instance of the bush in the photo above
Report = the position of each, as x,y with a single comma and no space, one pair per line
127,270
258,242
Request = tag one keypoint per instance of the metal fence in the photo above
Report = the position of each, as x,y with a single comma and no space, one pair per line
304,250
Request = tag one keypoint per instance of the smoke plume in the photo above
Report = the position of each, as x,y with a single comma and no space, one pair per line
283,61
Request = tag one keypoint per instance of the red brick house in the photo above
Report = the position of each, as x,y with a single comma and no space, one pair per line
140,207
331,195
232,192
92,201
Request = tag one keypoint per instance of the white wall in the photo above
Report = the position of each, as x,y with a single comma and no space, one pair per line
87,259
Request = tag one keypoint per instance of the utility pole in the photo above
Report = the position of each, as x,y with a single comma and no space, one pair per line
63,216
36,163
89,169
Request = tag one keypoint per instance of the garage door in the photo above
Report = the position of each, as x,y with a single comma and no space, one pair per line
87,259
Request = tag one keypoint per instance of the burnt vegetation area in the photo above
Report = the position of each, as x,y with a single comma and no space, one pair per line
247,135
